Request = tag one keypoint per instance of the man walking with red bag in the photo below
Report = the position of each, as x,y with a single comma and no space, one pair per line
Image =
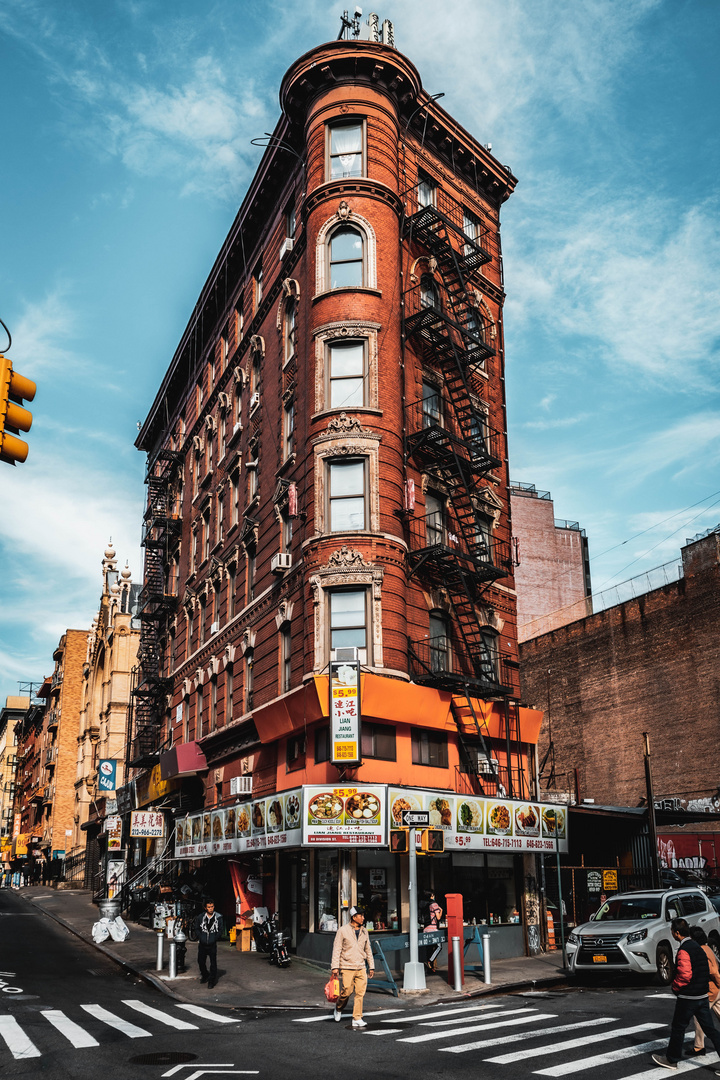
351,950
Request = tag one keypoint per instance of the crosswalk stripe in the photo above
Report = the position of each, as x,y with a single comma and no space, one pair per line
313,1019
164,1018
478,1027
603,1059
75,1034
198,1010
117,1022
16,1040
657,1072
571,1044
443,1012
484,1043
469,1019
329,1016
386,1031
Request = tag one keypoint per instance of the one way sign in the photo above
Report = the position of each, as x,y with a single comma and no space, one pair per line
413,819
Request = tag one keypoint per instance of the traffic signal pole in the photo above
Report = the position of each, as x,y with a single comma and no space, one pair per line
414,972
14,388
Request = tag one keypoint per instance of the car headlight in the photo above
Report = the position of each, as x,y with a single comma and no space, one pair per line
573,939
639,935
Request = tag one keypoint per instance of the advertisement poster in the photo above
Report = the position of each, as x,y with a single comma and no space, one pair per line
249,826
113,828
106,774
147,823
115,876
345,712
479,823
345,815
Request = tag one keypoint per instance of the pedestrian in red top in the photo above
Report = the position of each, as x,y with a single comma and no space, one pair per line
690,985
699,935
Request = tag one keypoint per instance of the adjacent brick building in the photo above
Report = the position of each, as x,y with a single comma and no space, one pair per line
327,471
552,575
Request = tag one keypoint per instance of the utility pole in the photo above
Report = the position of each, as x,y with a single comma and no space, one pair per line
414,972
652,827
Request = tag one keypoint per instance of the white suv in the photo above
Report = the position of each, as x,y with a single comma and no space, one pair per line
631,932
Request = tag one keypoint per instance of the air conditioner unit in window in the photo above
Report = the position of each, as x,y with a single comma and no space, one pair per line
349,654
286,247
254,400
241,785
280,562
481,762
214,627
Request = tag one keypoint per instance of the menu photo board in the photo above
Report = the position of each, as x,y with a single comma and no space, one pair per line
345,815
274,821
345,712
480,823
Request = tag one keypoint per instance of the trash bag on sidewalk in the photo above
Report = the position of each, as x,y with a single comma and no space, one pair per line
118,929
100,931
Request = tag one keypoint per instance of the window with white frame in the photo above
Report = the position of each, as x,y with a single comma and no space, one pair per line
434,519
432,405
345,150
199,732
290,329
222,436
290,220
249,663
346,261
228,694
231,583
429,292
206,535
439,642
426,191
257,287
346,371
489,653
472,229
220,518
203,614
285,658
288,429
213,704
346,495
234,497
348,618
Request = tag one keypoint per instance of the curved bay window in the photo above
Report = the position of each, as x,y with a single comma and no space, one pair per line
346,261
345,158
346,495
346,369
348,619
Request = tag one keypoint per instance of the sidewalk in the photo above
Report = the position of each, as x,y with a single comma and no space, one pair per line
247,981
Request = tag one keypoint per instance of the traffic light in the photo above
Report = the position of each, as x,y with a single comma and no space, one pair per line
432,841
14,388
399,841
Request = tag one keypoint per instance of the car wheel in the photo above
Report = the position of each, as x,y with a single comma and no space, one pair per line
665,966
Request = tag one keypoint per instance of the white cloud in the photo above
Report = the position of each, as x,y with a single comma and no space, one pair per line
42,333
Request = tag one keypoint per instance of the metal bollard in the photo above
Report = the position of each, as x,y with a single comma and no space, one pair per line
457,963
159,960
486,958
172,960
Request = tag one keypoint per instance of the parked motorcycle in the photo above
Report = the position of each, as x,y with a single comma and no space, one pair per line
270,939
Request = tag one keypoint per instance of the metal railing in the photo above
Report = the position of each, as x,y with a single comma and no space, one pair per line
442,662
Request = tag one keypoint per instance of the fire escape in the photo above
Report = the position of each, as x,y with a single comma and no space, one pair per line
162,526
454,547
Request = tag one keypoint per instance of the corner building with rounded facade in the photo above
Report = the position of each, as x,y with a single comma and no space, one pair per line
327,470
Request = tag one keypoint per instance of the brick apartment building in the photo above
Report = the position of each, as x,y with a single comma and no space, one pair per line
552,575
649,664
13,711
328,484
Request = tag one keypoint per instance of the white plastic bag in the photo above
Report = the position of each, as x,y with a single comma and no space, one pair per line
118,929
100,931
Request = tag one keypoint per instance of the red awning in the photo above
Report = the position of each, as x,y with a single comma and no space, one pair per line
185,759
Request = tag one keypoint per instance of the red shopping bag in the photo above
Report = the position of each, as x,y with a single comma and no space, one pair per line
332,990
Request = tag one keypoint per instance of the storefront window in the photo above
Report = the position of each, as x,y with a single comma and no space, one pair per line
326,891
377,889
488,884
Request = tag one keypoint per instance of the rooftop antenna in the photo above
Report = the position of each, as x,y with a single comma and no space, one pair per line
349,26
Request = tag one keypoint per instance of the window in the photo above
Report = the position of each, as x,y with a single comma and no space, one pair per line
478,432
322,744
347,375
220,520
347,495
348,619
472,229
489,654
285,659
483,536
429,292
222,437
199,713
216,602
346,150
186,719
429,748
427,191
213,704
231,580
228,695
234,497
252,469
255,374
286,526
346,258
237,407
439,642
295,755
249,662
206,535
203,608
290,220
432,405
196,473
434,520
288,430
378,741
251,560
209,451
190,629
290,329
257,287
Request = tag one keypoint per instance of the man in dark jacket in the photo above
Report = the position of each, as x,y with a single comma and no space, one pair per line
690,985
209,926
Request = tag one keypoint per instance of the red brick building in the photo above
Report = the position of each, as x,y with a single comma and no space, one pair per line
328,481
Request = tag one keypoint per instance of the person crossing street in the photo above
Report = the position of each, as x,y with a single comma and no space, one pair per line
690,985
351,951
209,926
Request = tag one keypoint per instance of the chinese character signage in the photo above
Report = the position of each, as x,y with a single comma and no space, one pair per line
476,823
106,775
262,824
349,815
345,712
147,823
113,828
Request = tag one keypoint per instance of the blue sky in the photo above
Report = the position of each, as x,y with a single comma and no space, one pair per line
126,150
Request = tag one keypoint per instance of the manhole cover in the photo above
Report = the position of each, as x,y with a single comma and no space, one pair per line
170,1057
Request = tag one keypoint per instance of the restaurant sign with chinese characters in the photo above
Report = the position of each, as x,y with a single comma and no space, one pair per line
149,824
256,825
349,815
345,712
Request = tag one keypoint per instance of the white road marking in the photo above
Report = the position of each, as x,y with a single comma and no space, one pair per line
314,1019
213,1065
164,1018
660,996
444,1012
526,1009
386,1031
484,1043
329,1016
478,1027
571,1044
605,1059
116,1022
657,1071
16,1040
75,1034
198,1010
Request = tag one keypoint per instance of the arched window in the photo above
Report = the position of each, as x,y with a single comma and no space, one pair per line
346,258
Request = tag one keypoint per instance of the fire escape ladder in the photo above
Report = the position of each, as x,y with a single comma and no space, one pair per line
465,717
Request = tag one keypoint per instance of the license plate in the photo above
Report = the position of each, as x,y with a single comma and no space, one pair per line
599,958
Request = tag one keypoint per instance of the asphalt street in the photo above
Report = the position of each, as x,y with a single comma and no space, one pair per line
66,1010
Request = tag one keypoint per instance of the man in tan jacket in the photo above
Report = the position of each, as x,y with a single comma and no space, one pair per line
350,951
